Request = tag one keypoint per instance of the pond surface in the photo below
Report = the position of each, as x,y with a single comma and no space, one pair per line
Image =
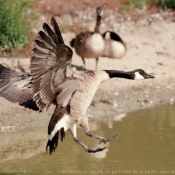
146,145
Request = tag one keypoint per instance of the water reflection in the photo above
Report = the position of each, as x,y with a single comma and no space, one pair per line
146,143
21,145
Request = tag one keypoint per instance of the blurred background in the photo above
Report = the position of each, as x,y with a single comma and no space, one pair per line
21,20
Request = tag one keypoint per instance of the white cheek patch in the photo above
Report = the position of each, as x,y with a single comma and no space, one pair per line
103,76
138,76
107,35
101,14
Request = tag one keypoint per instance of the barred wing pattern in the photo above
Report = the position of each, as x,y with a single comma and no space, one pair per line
16,87
50,65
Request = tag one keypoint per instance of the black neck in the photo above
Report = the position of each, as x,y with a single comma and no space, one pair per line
119,74
96,30
116,37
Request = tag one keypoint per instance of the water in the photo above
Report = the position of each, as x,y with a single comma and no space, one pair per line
146,145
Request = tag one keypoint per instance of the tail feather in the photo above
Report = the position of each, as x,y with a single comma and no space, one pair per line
56,128
62,134
72,42
52,144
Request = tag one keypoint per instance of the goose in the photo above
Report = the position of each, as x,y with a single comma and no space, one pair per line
115,47
52,82
90,44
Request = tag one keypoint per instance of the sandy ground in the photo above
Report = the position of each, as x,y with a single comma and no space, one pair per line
150,44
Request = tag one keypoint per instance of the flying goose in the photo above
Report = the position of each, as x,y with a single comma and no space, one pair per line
52,82
90,44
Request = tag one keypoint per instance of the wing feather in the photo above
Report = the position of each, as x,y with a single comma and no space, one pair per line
57,31
40,47
16,87
50,33
50,62
47,41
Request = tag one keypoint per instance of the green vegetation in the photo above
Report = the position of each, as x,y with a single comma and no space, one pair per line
14,24
138,3
132,4
166,4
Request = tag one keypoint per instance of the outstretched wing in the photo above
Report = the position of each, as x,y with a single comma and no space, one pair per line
50,65
16,87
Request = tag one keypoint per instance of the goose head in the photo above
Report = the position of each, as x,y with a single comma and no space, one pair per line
140,74
99,11
113,36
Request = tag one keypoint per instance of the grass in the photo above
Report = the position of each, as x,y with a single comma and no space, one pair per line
14,25
139,3
132,4
166,4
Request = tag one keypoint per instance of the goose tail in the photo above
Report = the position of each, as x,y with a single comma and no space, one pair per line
57,128
53,143
72,42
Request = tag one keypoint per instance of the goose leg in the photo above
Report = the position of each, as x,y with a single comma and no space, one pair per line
83,59
101,139
96,63
89,150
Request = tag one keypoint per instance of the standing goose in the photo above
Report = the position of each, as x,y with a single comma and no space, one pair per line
52,82
115,47
90,44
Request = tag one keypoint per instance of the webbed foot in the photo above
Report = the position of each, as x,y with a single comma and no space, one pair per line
108,139
89,150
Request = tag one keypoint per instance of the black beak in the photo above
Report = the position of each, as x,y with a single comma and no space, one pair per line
149,76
